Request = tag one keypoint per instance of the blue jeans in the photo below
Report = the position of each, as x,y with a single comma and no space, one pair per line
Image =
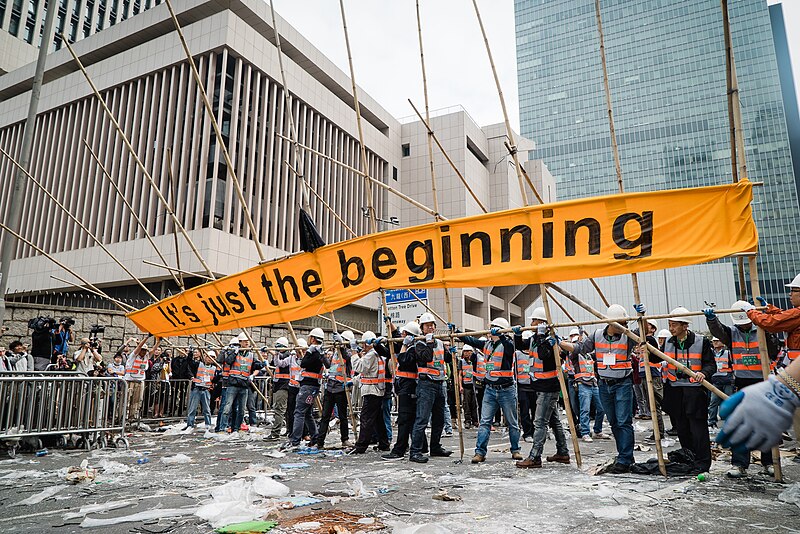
588,394
547,414
494,399
302,414
431,397
223,400
617,400
713,404
236,397
387,416
199,396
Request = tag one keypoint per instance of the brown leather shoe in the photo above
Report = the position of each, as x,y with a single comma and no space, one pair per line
529,463
516,456
558,458
478,459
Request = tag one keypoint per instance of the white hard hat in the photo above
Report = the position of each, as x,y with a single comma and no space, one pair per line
412,327
243,337
538,313
211,354
466,348
317,333
715,339
740,318
426,318
653,323
368,337
663,333
302,343
527,334
499,322
234,341
282,342
349,335
795,283
574,332
680,310
616,311
483,338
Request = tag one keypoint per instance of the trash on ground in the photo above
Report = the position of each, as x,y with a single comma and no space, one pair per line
426,528
610,512
258,470
248,527
442,495
332,521
275,454
234,502
177,459
791,494
267,487
98,507
42,495
110,467
297,465
298,501
642,448
155,513
82,473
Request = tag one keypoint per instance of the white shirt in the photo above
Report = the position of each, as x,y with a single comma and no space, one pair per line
87,365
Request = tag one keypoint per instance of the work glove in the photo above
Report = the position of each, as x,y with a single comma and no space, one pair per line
709,313
451,327
541,329
369,341
408,340
553,340
250,378
756,416
640,308
379,340
495,331
337,337
353,345
453,350
429,338
517,330
762,301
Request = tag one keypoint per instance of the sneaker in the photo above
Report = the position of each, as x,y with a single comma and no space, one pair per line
382,449
516,455
418,458
587,438
737,472
560,458
392,455
187,427
601,436
244,428
347,445
272,438
619,469
442,453
529,463
528,439
477,459
289,446
448,434
672,432
769,470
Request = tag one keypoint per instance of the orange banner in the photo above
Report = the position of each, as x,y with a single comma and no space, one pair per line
570,240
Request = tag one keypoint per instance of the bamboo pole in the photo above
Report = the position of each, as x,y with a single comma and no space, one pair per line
634,278
428,307
563,309
333,212
177,270
336,324
121,305
599,292
347,394
436,218
79,223
128,205
755,289
173,182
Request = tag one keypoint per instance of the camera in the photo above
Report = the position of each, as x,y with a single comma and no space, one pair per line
41,323
67,322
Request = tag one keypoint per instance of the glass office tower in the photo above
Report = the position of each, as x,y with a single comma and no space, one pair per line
666,65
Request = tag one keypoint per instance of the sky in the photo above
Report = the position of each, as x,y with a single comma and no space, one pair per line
384,43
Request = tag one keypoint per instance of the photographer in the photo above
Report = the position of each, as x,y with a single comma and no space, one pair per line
87,356
19,360
42,340
63,336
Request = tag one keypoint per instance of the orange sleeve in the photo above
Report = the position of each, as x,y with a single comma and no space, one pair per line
776,320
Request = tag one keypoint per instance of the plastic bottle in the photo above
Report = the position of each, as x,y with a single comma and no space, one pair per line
144,460
43,452
702,477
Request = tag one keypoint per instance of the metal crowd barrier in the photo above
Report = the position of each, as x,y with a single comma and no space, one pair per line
88,411
164,400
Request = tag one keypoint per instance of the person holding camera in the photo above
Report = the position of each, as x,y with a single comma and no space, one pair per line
87,356
63,336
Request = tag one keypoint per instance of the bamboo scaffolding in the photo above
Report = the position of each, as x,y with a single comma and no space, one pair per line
563,309
173,182
121,305
339,323
634,278
332,211
177,270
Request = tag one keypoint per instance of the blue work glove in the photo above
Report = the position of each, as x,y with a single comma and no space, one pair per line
337,337
553,340
494,331
517,330
369,341
541,329
378,341
408,340
762,301
354,346
451,327
757,416
709,313
453,350
640,308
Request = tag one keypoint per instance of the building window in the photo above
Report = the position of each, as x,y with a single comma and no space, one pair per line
406,150
394,173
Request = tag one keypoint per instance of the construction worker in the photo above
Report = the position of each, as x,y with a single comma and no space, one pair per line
501,391
282,360
569,369
588,393
383,351
243,368
135,368
543,373
406,390
722,379
612,350
745,356
202,371
372,376
479,362
640,379
295,375
467,374
526,393
339,374
233,345
431,360
685,400
310,380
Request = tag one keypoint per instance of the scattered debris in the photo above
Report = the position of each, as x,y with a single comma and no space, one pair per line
110,467
248,527
275,454
98,507
75,474
442,495
332,521
356,489
642,448
610,512
258,470
156,513
298,465
41,496
177,459
298,501
791,494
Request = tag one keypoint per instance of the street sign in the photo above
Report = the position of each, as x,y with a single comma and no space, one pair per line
403,307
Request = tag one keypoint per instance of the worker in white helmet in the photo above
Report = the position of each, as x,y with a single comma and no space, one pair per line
612,350
282,359
526,392
745,361
339,365
431,361
310,381
372,372
466,370
588,393
501,391
243,368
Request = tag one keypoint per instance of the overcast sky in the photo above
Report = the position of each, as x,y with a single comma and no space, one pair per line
383,37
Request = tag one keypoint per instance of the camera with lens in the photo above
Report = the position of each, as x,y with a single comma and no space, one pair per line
95,329
41,324
67,322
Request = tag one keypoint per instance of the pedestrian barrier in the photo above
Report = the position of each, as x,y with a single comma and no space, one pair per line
85,411
164,401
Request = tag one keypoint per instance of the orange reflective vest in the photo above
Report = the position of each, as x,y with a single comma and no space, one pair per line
338,368
722,359
745,354
281,373
406,374
295,372
691,357
523,367
466,372
435,369
585,368
138,367
381,376
613,360
494,362
242,364
204,375
568,367
537,364
480,367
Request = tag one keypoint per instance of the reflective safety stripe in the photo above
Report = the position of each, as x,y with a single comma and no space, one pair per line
523,367
617,349
722,360
338,368
137,368
309,374
406,374
380,378
585,367
466,372
537,364
793,354
480,366
281,376
494,362
295,372
745,353
241,366
690,357
435,369
204,375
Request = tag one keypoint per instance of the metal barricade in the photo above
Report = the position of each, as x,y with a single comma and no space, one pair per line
164,400
87,410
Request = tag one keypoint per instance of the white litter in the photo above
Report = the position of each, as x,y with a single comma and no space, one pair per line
177,459
156,513
791,494
110,467
258,470
39,497
356,489
275,454
226,512
611,512
367,520
308,525
667,442
267,487
16,475
98,507
427,528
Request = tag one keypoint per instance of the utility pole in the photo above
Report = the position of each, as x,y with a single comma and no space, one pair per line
15,204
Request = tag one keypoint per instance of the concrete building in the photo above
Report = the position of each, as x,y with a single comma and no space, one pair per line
666,68
482,158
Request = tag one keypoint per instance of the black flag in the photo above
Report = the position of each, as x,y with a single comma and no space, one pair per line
310,240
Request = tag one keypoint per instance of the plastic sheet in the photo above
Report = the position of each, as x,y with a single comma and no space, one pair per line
221,513
177,459
267,487
98,507
791,494
42,495
156,513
